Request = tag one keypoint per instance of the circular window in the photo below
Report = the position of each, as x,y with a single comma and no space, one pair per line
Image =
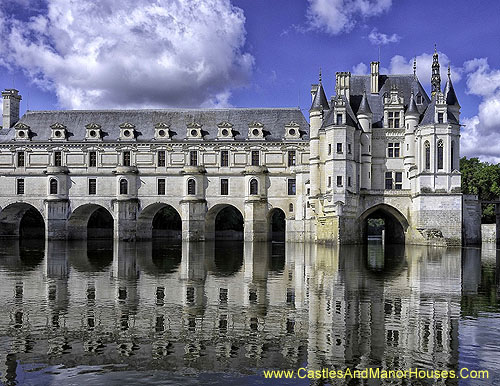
126,133
57,133
291,131
161,133
255,132
21,134
93,133
194,133
225,132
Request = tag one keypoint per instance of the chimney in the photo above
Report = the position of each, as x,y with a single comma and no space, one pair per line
374,73
314,90
11,102
343,84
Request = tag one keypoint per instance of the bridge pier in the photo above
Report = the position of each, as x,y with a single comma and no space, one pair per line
125,219
193,212
57,213
256,222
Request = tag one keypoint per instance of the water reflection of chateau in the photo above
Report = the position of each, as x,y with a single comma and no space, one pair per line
243,306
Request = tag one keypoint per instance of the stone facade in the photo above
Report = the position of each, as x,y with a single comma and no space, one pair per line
380,147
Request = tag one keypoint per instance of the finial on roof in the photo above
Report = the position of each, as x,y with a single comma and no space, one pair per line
449,70
415,67
435,48
320,74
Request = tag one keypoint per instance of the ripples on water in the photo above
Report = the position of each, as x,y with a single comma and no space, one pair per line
161,313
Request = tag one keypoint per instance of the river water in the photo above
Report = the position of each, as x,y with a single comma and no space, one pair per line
160,313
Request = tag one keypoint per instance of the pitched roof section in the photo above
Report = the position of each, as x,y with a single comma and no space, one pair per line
449,93
430,115
364,107
404,83
320,102
273,119
412,106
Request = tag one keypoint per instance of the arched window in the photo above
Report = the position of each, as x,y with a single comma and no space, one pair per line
427,147
290,207
53,186
452,155
123,186
254,187
191,187
440,154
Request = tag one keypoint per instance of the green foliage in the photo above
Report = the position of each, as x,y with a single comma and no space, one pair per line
483,179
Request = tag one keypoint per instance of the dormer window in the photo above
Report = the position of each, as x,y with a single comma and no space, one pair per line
393,119
127,132
225,130
93,132
22,132
420,99
58,132
440,118
194,131
256,130
162,131
292,130
339,119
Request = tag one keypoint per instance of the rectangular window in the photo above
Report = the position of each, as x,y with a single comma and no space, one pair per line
20,186
126,158
393,119
388,180
20,158
339,119
393,150
339,147
292,158
224,158
92,186
162,158
57,158
329,148
92,159
399,180
224,186
193,158
291,187
440,117
161,186
255,158
339,181
349,151
349,181
329,181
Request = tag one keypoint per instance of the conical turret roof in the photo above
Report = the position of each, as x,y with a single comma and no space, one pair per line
364,107
412,106
449,92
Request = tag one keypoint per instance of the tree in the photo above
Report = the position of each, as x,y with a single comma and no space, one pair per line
483,179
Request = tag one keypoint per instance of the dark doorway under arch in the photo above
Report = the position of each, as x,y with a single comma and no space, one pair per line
229,224
32,225
382,225
100,224
167,223
277,225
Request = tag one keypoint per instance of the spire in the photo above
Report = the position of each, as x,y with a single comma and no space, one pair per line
320,102
412,106
364,107
436,77
449,91
415,68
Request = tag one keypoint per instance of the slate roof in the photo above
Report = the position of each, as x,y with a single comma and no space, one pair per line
429,116
404,83
319,102
273,119
364,107
449,93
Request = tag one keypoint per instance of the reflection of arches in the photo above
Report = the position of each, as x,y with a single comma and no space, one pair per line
228,258
393,223
159,219
224,222
277,224
22,219
90,221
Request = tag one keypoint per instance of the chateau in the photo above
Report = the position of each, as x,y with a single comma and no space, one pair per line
380,148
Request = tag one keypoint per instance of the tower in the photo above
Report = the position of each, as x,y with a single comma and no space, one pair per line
435,77
11,102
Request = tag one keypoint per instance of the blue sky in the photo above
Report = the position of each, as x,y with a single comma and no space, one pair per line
245,53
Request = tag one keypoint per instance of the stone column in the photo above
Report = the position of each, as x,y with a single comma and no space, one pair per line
57,206
256,221
126,204
193,205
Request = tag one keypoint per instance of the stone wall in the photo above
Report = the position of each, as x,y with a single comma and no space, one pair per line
471,223
488,233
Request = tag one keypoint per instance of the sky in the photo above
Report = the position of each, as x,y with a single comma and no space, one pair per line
87,54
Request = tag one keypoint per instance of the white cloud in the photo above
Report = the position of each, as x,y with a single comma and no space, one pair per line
360,69
379,39
132,53
338,16
481,135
